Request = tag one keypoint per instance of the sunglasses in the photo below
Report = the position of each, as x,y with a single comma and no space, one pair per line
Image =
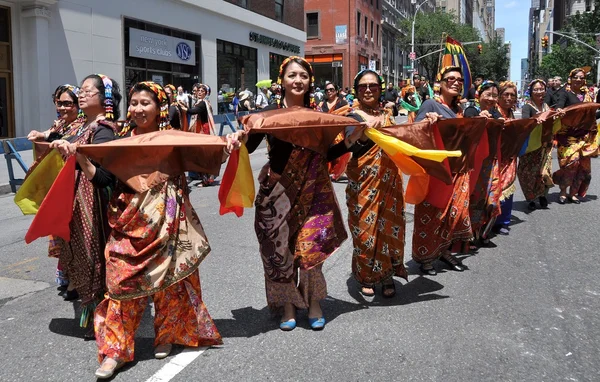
452,80
364,87
65,103
330,90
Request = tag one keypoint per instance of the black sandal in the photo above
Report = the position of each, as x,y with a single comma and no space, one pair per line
388,287
453,262
428,269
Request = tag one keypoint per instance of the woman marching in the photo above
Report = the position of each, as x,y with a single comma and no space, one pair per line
177,117
574,146
83,255
374,197
295,205
484,204
154,249
67,110
508,166
437,229
535,168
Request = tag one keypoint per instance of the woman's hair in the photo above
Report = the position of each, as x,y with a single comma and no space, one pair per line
66,88
535,82
160,98
110,95
361,74
337,88
455,105
505,85
311,74
486,85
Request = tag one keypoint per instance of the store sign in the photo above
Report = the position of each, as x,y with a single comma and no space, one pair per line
372,65
341,34
273,42
154,46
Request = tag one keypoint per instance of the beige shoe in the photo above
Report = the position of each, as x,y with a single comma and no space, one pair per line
108,368
162,351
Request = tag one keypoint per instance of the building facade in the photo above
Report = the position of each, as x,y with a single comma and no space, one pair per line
226,44
480,14
342,38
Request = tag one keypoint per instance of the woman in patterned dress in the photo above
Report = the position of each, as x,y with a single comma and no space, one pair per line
154,250
535,168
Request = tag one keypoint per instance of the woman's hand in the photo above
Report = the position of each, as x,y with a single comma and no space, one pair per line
433,117
35,135
485,114
561,113
235,140
357,134
65,148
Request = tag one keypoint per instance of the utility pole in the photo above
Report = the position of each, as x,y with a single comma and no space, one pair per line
413,55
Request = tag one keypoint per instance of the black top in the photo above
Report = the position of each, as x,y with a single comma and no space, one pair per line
340,103
433,106
280,151
174,117
564,98
472,111
200,109
471,93
549,97
102,178
391,95
529,111
424,93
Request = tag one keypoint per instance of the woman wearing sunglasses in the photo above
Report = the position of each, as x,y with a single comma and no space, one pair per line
374,197
436,229
574,146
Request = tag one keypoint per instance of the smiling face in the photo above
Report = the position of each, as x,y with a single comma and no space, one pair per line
452,84
538,91
369,90
296,80
89,97
66,108
144,110
488,98
578,79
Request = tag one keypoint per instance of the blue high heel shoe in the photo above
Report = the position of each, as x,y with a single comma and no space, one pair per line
317,323
287,325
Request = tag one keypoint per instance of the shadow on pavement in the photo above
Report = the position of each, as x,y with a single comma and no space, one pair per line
418,290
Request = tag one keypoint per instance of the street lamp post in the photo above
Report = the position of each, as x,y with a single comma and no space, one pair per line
412,43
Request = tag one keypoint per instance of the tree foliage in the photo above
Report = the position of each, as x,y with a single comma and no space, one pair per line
568,54
429,31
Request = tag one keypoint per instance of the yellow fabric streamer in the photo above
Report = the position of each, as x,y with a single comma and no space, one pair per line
32,192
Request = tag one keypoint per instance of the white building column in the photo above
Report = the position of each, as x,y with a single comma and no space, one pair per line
35,53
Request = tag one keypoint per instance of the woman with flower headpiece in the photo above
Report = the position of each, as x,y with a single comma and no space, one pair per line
535,168
295,204
67,110
436,229
155,246
574,146
177,117
508,166
374,196
83,255
484,204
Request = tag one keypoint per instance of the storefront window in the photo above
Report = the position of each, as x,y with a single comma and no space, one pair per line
327,68
164,72
275,61
236,67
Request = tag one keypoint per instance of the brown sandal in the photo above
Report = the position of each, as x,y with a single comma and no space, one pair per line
386,288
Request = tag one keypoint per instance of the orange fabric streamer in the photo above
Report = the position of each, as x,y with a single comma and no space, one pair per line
236,191
55,212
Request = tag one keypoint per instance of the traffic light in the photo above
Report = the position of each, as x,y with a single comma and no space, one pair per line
545,40
480,48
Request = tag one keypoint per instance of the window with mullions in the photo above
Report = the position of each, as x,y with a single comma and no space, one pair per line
279,10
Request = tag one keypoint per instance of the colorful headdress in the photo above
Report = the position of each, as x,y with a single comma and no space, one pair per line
484,86
73,89
108,98
575,71
504,85
536,81
447,69
287,61
360,75
172,88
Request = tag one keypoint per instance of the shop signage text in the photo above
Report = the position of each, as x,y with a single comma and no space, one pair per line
275,43
154,46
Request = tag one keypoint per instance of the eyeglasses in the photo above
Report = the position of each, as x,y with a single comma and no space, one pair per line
452,80
363,87
509,95
538,90
86,93
330,89
66,104
489,96
579,78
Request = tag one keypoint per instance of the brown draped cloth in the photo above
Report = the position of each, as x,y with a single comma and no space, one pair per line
376,215
437,228
147,160
577,142
514,135
484,203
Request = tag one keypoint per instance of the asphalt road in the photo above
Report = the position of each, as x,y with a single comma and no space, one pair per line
526,310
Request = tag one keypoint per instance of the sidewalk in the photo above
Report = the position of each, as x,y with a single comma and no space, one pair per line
18,171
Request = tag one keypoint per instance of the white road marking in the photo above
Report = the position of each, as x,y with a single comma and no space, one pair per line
176,365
